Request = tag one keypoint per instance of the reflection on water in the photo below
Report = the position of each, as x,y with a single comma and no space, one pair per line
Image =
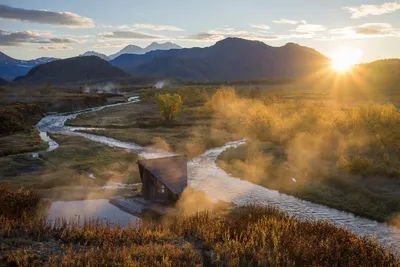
98,209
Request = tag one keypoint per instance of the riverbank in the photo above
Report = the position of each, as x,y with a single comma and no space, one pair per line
20,113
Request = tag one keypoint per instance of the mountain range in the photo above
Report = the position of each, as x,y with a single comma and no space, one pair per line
72,70
133,49
11,67
229,59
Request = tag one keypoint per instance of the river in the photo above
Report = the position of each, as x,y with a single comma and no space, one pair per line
204,174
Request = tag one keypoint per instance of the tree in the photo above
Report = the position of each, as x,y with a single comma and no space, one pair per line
170,105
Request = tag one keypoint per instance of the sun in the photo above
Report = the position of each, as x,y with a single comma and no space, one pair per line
344,61
342,64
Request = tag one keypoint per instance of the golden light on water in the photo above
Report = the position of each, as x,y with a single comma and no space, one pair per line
343,61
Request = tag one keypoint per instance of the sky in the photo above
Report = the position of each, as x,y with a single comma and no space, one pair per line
366,29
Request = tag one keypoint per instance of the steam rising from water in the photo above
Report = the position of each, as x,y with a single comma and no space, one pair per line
161,84
108,88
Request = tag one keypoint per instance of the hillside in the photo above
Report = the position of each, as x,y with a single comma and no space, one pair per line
11,67
3,82
72,70
382,73
229,59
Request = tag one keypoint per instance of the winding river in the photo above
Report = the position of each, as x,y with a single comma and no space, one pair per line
204,174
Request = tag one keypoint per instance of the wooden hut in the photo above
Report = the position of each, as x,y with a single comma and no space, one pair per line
163,179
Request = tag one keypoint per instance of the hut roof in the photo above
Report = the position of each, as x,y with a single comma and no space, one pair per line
171,171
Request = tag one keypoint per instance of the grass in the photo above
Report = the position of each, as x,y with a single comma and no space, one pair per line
64,172
21,142
247,236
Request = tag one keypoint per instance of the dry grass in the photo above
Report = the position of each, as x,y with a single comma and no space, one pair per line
247,236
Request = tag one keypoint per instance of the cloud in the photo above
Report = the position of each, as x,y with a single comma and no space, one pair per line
204,36
155,27
58,41
305,28
129,35
260,26
55,47
286,21
366,30
107,45
19,38
219,34
374,10
63,19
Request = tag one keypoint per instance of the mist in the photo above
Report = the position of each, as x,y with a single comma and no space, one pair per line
162,84
108,88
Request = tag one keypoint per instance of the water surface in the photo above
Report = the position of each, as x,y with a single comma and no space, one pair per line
88,209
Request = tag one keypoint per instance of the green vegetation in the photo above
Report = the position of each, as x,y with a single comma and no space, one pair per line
170,105
247,236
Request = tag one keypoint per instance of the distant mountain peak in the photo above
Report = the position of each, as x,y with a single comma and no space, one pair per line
163,46
291,44
237,40
131,46
134,49
11,67
93,53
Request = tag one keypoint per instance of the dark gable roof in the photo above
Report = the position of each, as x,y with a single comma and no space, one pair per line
171,171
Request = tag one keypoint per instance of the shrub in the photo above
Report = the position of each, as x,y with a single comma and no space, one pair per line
18,204
170,105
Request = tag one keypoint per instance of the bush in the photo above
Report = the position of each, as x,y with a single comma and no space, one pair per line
170,105
19,204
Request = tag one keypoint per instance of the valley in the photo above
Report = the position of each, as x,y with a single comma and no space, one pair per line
317,147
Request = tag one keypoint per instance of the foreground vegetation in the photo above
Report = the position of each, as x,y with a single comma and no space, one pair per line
248,236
